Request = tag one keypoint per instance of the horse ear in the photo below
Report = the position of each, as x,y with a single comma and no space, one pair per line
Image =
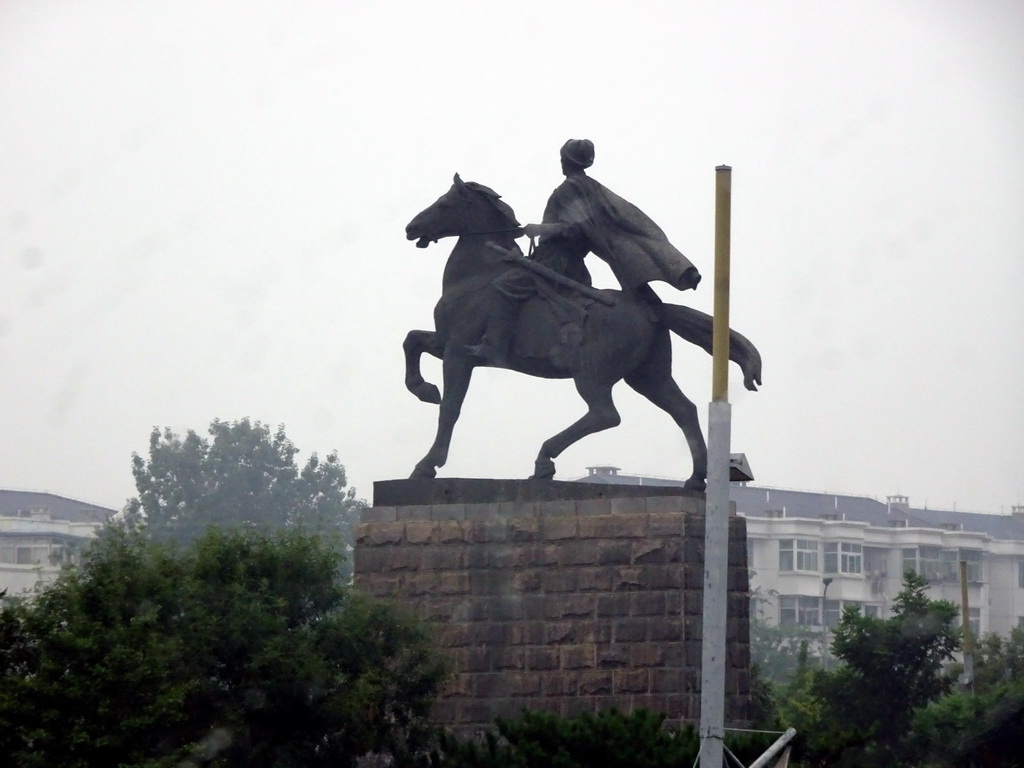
458,181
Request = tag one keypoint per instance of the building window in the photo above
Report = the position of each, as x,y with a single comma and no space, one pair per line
32,555
872,611
876,560
1020,574
834,611
798,555
1020,622
850,558
798,609
31,551
973,559
910,560
974,621
841,557
935,564
950,568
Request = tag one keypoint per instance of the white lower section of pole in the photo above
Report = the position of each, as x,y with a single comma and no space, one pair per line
716,578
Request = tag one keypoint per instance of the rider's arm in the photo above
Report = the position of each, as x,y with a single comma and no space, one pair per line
546,230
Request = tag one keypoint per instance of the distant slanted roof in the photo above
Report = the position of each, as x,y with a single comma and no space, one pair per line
607,474
757,501
21,503
996,526
764,501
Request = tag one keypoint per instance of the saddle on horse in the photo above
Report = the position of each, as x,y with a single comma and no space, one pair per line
525,301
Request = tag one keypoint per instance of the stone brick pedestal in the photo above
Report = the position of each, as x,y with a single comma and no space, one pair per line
556,596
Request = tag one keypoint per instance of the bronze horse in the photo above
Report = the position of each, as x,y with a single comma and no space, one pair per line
596,343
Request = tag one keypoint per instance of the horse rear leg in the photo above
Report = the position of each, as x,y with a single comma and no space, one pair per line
601,415
654,381
457,370
415,344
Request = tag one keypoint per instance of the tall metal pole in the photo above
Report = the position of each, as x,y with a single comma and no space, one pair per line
965,622
716,521
824,621
720,328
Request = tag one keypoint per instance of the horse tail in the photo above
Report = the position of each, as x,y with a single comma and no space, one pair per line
695,326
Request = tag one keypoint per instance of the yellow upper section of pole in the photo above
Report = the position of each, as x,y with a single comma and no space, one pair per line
720,332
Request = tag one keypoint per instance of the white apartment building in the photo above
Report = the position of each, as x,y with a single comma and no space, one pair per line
811,554
37,532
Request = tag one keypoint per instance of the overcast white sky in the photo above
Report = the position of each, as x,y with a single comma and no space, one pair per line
202,211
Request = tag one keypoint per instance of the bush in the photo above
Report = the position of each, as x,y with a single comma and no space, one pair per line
608,739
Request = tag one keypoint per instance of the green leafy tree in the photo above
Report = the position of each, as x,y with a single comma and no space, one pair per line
998,660
764,708
244,649
964,730
861,713
244,474
984,727
775,649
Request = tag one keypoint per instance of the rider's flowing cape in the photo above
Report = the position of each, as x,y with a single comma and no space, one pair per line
636,249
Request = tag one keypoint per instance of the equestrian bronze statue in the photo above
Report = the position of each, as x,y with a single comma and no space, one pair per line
539,314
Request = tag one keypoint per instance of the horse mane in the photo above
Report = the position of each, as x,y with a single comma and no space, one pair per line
495,199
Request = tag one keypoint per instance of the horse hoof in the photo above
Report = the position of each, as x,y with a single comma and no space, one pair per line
423,472
428,393
696,484
543,469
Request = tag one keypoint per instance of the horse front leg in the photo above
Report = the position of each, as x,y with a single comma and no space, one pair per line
415,344
457,370
601,414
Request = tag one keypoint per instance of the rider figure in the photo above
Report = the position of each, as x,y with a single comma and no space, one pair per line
582,216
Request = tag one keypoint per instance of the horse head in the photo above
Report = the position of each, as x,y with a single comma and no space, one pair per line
467,208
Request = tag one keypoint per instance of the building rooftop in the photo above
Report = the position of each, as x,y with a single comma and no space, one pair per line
764,501
49,505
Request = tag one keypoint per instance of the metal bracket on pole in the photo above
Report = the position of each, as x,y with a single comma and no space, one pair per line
774,749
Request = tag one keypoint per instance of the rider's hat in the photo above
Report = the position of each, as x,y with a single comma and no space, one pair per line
579,152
